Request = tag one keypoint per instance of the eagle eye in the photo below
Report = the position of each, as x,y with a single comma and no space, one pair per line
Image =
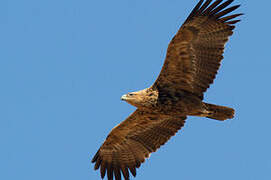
130,94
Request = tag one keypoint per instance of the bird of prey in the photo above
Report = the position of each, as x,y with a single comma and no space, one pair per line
192,61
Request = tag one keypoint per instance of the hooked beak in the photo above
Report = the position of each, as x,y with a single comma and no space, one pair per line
124,97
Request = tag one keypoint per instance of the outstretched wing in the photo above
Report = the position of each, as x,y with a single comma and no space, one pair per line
195,52
129,143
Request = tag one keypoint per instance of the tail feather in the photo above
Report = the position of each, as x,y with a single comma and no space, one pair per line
219,112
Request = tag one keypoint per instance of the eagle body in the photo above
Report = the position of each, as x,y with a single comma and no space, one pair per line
179,103
193,58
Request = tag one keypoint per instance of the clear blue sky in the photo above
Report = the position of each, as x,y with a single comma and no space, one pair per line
65,64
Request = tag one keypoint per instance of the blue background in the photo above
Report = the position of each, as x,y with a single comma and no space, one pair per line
65,64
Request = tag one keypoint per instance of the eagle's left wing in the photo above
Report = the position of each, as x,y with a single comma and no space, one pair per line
195,52
129,143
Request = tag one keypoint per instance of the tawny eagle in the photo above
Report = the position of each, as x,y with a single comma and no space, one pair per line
192,61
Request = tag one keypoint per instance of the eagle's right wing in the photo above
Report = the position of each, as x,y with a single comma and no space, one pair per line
129,143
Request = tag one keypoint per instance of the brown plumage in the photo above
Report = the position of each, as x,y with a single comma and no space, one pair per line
192,61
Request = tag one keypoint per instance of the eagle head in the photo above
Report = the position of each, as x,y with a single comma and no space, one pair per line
143,98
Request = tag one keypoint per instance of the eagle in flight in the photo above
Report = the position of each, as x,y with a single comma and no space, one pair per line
192,61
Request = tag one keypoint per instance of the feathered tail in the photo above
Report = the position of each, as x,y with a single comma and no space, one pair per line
219,112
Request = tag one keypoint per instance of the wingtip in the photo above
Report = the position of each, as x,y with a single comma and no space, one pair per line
236,6
133,171
103,169
195,10
212,8
109,172
230,17
234,21
94,159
